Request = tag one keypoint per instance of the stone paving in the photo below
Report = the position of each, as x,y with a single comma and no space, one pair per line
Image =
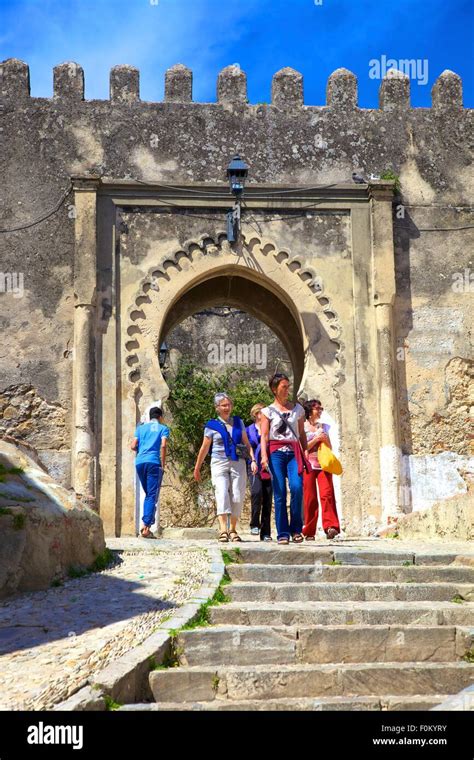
52,641
355,624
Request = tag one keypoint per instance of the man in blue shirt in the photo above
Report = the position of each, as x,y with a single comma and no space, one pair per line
150,444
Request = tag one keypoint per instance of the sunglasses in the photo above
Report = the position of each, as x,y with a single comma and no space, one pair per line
283,426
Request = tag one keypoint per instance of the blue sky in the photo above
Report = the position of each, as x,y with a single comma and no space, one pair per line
313,36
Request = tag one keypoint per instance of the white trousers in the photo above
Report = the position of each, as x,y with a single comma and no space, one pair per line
229,479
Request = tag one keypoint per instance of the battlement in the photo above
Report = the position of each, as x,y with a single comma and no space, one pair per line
287,88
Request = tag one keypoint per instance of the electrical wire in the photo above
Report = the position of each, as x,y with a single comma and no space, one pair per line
191,191
445,229
251,221
41,219
256,193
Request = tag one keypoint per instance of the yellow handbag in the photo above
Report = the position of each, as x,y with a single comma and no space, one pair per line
328,460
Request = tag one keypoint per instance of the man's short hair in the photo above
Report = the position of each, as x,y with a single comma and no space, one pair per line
156,413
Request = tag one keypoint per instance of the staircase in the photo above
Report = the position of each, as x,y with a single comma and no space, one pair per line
328,628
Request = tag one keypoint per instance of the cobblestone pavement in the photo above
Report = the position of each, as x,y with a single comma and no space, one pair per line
52,641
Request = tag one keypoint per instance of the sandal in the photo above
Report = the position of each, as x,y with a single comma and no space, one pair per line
235,535
283,540
146,533
297,538
331,533
223,537
310,538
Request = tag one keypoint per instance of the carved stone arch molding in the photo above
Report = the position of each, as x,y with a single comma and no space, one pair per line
297,287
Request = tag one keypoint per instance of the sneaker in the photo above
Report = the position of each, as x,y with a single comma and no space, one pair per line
254,531
267,538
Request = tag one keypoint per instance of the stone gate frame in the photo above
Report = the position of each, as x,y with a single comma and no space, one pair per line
110,386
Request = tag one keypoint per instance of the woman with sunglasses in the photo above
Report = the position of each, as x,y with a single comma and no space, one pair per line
316,433
230,450
283,442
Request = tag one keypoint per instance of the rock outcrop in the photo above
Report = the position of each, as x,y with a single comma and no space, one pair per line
44,529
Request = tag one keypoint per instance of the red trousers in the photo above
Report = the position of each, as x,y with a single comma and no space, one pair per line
310,500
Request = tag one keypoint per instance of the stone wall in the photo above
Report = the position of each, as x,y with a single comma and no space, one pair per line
46,141
223,336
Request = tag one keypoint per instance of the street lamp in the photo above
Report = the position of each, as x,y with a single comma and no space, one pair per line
163,354
237,173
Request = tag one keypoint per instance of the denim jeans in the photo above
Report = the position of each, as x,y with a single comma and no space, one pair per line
283,465
150,475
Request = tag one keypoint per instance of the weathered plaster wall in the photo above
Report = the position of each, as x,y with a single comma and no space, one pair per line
46,140
215,336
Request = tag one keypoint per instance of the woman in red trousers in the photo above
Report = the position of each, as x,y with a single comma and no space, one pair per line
316,433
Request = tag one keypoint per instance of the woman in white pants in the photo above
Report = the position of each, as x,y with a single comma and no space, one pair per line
230,450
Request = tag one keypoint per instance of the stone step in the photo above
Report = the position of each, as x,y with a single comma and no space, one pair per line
340,613
307,554
281,573
248,645
342,592
321,704
264,682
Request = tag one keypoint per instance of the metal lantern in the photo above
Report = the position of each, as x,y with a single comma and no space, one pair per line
237,172
163,355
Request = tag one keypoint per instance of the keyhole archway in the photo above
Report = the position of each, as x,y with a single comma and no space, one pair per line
335,279
241,293
269,283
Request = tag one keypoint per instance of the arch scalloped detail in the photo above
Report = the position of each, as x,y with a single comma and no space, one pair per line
161,275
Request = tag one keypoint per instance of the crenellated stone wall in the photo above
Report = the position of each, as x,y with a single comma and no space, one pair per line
126,188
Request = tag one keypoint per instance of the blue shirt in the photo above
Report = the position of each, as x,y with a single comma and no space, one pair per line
150,436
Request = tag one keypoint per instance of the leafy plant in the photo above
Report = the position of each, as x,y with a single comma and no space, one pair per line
232,557
102,561
76,572
110,704
169,661
203,617
390,174
9,471
14,497
19,522
191,403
